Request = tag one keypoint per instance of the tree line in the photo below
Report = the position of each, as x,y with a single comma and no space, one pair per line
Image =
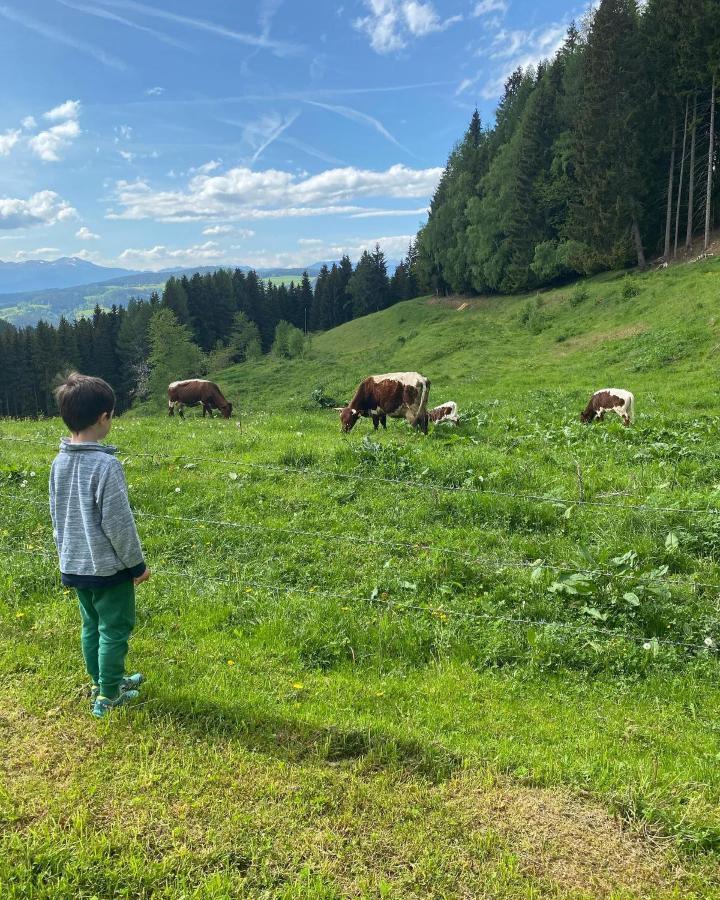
596,160
199,324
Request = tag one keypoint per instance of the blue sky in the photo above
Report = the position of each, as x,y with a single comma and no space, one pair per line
266,132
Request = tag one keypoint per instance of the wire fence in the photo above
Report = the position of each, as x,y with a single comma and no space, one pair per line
496,563
442,613
405,546
578,501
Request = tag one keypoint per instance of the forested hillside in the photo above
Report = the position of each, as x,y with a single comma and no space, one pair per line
599,159
208,321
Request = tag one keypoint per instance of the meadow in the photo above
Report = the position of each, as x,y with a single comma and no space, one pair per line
481,663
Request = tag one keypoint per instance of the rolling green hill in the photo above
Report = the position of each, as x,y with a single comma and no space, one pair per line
478,663
643,331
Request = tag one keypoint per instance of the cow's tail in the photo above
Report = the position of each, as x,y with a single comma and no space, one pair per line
422,415
631,408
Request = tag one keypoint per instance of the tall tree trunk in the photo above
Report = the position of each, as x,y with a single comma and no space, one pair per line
691,180
711,151
680,184
668,215
638,242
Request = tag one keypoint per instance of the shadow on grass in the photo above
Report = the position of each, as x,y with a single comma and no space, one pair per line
295,739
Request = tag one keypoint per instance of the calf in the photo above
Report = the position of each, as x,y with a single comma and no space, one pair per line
400,395
194,391
614,400
446,412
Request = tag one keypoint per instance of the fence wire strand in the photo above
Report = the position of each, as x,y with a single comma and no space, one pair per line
440,612
373,477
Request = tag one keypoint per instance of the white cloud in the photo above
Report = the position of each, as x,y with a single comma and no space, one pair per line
394,247
381,213
29,123
42,208
48,144
89,255
516,49
8,141
218,229
205,168
85,234
241,193
392,23
260,134
127,155
70,109
160,256
490,6
40,253
155,91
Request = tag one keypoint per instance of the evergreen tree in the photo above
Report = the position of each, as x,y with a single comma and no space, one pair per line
175,298
609,165
173,355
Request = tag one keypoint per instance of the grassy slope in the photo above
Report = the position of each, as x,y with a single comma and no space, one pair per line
303,740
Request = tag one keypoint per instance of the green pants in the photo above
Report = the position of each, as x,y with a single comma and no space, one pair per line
108,618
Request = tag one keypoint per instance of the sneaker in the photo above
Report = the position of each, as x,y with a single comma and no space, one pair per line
130,683
103,705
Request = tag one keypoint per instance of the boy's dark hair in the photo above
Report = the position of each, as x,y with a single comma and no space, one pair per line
82,399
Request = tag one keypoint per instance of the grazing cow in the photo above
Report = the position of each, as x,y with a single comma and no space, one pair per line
194,391
614,400
446,412
400,395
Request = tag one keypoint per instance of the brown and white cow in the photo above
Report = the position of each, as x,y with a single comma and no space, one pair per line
400,395
615,400
446,412
194,391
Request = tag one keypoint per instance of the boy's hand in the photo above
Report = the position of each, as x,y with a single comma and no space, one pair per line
144,577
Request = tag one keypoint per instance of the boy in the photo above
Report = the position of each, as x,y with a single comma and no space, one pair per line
97,542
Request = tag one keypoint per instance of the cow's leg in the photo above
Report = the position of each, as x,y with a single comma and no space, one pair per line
383,421
181,410
375,421
171,408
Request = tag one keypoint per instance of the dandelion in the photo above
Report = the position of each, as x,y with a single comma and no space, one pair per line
647,645
248,590
23,483
233,476
298,685
32,474
709,642
231,662
344,608
19,615
379,693
177,490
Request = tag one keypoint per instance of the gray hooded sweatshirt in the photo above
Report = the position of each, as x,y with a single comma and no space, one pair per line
93,524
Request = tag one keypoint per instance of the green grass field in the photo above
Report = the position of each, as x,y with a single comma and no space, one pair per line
480,663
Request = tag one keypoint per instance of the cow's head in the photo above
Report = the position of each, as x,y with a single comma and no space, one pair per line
586,415
226,410
348,418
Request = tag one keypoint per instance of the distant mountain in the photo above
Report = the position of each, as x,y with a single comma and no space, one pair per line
42,274
29,306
